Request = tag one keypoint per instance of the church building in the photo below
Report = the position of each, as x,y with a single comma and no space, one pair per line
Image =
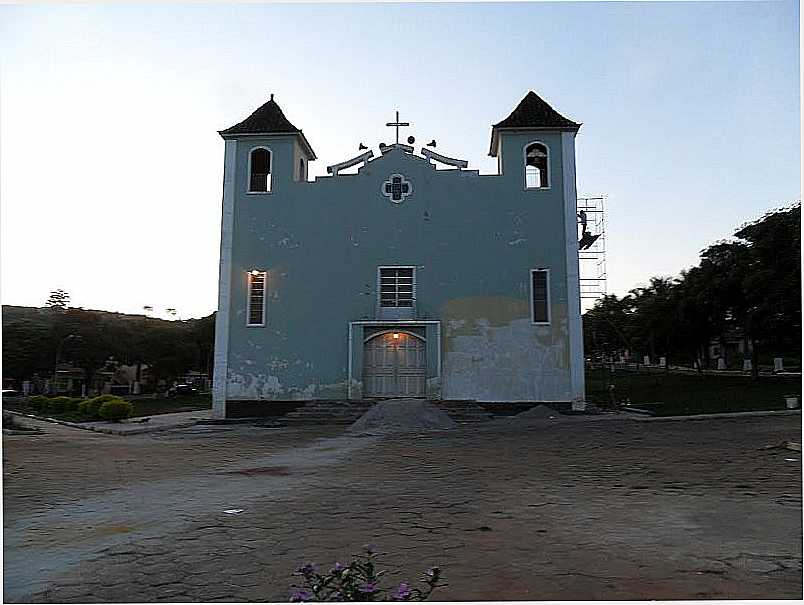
402,272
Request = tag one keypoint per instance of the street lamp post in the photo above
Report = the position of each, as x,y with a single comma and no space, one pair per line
58,358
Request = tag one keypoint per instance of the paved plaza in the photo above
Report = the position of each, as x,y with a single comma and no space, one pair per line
582,509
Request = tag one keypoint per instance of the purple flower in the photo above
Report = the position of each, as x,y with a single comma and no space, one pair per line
337,568
308,569
368,587
300,596
370,548
402,593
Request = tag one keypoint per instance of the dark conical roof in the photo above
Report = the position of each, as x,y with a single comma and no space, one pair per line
266,120
534,112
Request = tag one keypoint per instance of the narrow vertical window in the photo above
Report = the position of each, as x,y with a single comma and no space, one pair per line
540,295
260,171
396,287
256,298
302,170
536,170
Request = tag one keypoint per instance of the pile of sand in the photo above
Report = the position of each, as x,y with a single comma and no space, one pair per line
402,416
536,413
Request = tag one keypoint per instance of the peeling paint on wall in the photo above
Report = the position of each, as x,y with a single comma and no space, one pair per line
493,351
517,361
496,310
268,387
258,386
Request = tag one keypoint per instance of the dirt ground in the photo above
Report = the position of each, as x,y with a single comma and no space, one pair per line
613,509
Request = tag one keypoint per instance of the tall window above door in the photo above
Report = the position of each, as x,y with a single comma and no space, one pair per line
259,168
536,166
397,287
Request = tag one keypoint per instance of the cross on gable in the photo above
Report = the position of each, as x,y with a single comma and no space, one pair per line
397,124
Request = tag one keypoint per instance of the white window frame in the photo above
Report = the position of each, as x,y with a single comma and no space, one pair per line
395,311
530,300
270,171
525,166
248,300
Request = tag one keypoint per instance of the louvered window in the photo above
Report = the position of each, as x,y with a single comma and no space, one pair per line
256,298
540,295
397,287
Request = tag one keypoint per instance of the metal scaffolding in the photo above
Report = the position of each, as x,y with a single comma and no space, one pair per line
592,249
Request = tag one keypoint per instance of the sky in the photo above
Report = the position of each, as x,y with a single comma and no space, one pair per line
111,166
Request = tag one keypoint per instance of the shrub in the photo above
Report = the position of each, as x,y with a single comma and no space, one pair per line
38,402
115,410
358,581
58,404
65,404
92,406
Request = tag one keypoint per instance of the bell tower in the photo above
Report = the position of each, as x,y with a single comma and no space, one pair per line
528,143
535,151
271,151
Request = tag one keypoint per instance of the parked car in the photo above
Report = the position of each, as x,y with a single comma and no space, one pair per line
182,389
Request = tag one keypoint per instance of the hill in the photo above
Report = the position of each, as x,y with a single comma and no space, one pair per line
36,338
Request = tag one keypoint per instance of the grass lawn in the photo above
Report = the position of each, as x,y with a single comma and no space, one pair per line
680,394
167,405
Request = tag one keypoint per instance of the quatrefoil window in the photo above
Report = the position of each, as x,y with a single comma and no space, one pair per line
397,188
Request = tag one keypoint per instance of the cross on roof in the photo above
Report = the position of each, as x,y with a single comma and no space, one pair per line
397,124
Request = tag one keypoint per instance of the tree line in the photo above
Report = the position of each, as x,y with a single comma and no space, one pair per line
36,339
748,286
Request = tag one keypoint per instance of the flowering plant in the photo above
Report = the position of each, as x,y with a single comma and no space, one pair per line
358,581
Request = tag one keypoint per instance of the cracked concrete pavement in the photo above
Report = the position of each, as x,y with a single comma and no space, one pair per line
576,510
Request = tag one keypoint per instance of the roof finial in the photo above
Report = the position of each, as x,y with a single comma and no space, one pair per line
272,96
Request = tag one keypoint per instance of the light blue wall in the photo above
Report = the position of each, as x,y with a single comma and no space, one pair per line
472,238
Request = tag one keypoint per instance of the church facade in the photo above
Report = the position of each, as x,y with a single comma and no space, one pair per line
410,276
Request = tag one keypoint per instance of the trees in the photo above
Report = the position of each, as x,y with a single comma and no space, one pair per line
58,299
34,338
750,285
771,282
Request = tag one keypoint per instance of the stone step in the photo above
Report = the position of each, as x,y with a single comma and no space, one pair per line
337,413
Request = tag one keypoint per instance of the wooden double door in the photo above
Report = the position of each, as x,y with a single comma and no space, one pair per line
394,365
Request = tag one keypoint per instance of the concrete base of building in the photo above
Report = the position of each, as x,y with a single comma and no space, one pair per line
264,408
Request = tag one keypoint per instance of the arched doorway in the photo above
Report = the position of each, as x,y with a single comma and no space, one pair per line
394,365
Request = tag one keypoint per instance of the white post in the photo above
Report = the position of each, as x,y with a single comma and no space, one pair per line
663,362
646,360
721,363
578,406
747,366
778,364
